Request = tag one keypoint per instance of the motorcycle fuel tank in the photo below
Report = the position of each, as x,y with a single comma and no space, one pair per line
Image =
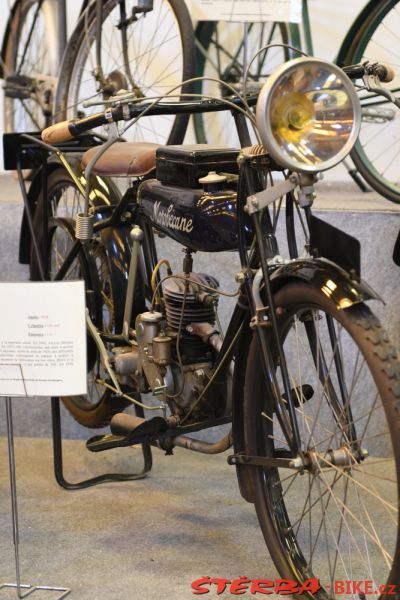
197,219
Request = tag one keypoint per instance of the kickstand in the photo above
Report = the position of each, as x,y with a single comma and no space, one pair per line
107,477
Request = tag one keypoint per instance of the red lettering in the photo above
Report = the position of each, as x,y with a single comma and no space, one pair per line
339,587
197,585
285,586
221,584
310,585
389,589
240,586
369,588
261,586
357,587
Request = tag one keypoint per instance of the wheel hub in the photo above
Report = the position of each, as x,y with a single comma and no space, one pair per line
342,457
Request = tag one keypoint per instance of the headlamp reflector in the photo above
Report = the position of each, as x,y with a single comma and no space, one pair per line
308,115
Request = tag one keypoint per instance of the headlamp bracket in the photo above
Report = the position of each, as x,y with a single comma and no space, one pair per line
261,200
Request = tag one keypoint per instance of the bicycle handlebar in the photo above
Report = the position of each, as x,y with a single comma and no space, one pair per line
382,71
66,130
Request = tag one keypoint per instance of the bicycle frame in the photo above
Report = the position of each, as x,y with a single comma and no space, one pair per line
253,306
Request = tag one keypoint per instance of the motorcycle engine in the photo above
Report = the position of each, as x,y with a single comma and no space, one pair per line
178,346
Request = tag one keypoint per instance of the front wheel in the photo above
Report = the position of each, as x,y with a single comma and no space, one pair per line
336,518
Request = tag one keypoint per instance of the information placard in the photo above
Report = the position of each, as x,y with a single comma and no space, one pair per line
245,11
42,339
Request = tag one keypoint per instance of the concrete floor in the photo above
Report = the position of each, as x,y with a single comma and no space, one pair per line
150,539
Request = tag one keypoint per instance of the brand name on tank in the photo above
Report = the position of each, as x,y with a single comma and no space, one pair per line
167,218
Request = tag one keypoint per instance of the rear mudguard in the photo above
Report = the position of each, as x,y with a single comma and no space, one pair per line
320,274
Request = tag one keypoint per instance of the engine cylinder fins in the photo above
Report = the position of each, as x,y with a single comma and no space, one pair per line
195,314
198,303
175,286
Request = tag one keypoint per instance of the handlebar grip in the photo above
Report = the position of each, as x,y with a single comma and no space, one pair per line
57,133
385,72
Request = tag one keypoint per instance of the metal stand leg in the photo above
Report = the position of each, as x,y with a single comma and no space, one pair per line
58,458
14,508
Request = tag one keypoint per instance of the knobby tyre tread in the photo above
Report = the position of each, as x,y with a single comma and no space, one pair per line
382,361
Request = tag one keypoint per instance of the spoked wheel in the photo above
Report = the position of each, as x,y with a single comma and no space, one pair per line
149,57
376,153
30,67
220,54
97,407
334,517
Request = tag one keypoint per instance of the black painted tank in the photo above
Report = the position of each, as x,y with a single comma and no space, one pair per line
200,220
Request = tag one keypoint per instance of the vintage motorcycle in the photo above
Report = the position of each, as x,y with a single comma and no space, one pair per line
304,371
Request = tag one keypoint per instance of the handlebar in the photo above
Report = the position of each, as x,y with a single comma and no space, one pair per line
66,130
383,72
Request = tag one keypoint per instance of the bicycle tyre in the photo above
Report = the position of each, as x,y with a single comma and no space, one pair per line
89,411
30,52
227,65
378,40
279,499
171,19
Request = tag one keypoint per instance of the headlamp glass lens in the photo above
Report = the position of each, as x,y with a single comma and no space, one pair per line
311,114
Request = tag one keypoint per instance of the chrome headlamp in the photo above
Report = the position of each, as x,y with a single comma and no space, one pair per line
308,115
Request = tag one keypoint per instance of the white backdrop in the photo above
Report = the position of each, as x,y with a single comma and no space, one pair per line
329,20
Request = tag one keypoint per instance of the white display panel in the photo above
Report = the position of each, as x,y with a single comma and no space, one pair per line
246,10
42,339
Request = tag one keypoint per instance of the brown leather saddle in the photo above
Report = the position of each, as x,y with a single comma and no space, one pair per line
123,159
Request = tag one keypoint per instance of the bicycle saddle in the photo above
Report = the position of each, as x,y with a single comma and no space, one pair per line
123,159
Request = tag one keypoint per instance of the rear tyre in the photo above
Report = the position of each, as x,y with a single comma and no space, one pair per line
337,518
97,407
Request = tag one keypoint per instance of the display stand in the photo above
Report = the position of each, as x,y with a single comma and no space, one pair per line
40,250
58,458
23,590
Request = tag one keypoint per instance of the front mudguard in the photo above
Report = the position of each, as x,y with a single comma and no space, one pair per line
320,274
324,275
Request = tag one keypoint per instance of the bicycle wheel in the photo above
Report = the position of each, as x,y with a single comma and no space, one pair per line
336,519
220,55
377,150
30,67
97,407
159,54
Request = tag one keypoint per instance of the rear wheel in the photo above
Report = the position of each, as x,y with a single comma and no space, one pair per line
96,408
335,519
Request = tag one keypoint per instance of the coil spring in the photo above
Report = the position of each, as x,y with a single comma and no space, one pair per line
257,150
84,226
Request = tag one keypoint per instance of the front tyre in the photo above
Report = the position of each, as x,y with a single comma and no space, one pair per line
337,518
